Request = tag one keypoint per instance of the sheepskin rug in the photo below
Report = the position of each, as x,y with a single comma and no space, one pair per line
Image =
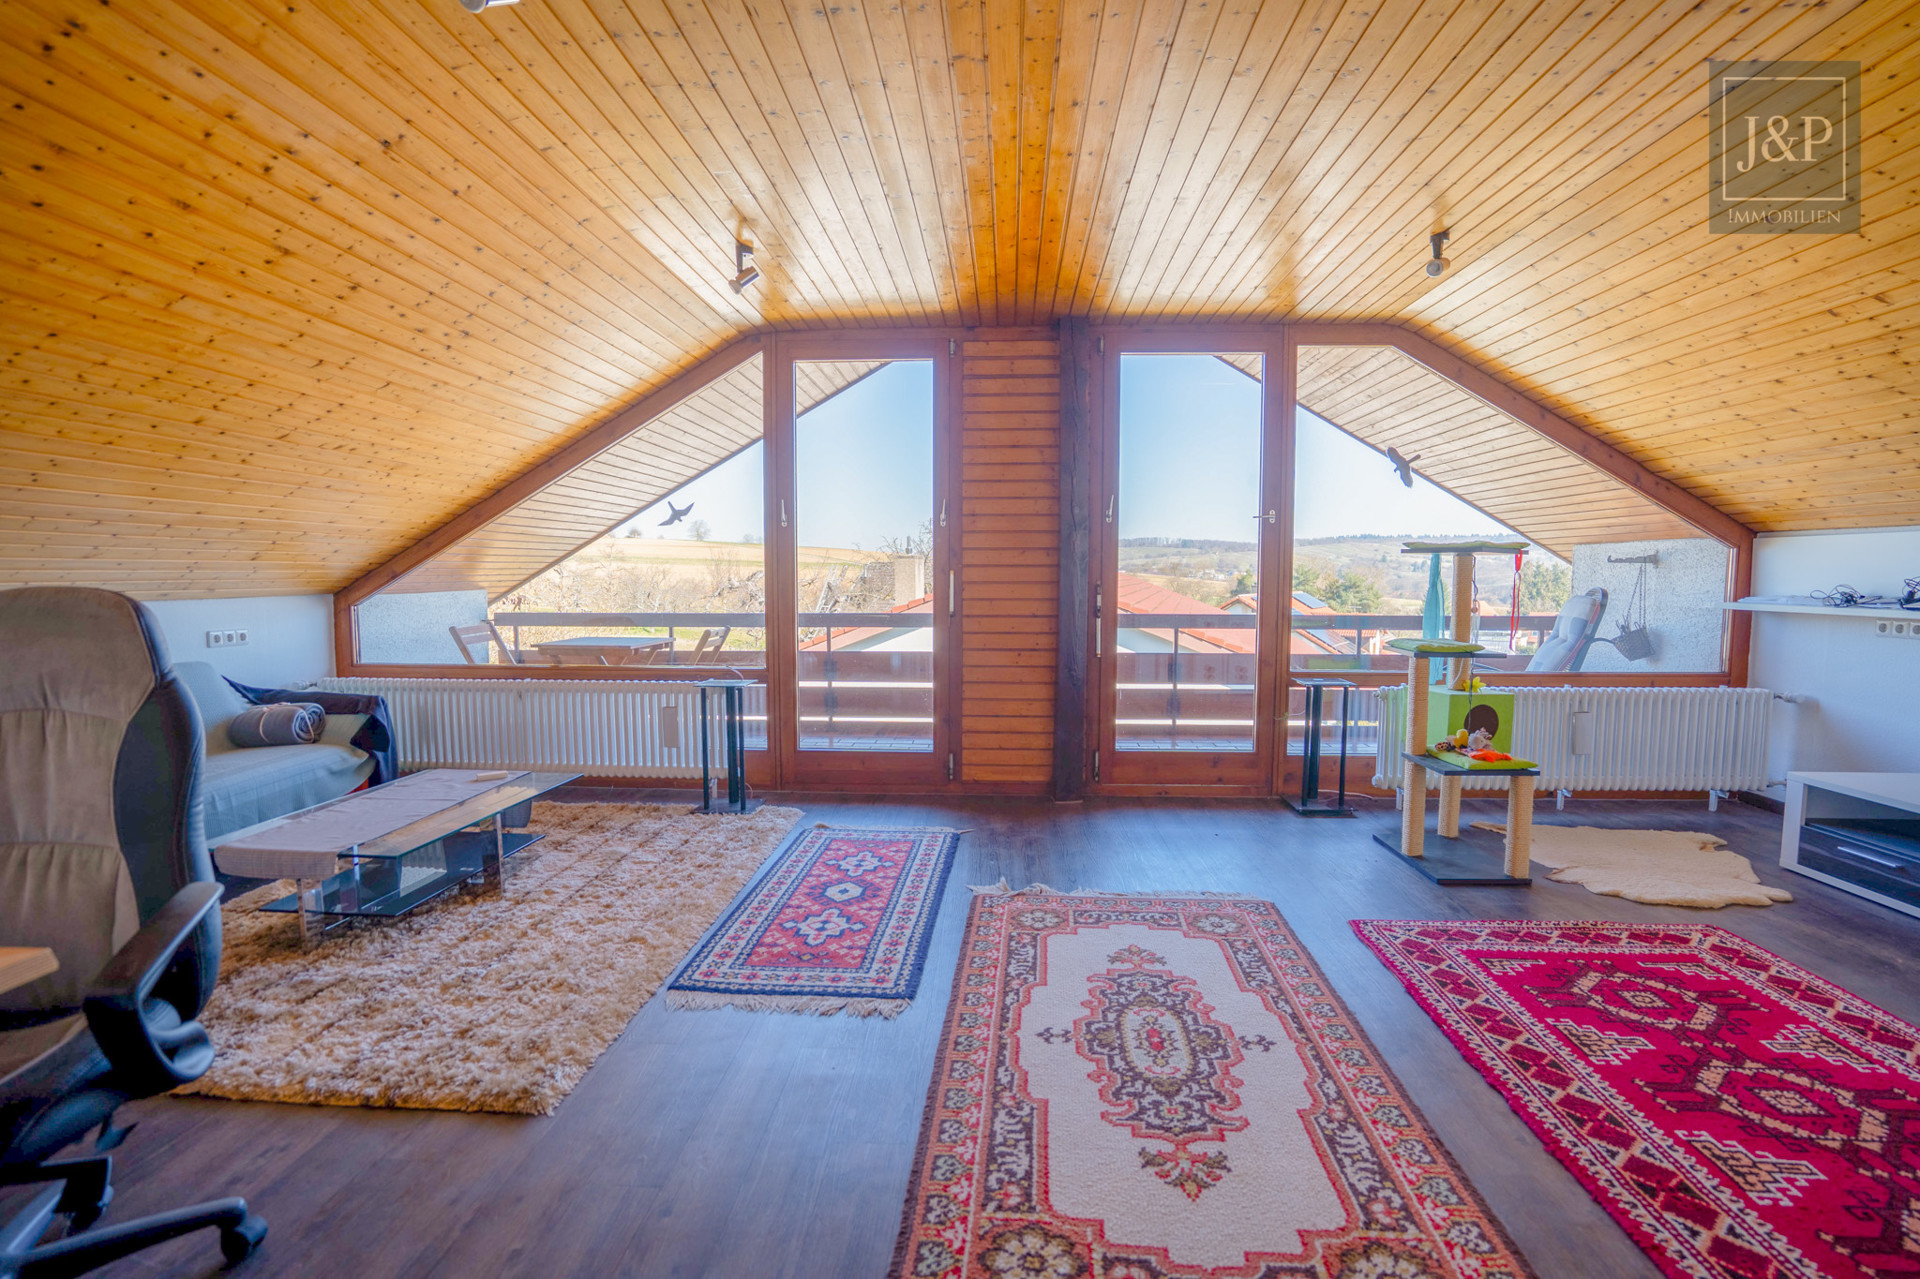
1660,867
480,1001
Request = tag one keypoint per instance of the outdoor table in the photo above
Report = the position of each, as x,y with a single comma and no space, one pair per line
614,650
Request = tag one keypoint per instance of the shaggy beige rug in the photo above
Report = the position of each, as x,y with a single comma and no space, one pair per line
1660,867
480,1001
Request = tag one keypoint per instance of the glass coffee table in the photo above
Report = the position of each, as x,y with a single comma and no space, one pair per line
381,852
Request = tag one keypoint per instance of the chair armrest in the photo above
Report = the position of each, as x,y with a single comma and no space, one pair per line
151,1054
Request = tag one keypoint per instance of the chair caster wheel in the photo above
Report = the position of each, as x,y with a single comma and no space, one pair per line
238,1242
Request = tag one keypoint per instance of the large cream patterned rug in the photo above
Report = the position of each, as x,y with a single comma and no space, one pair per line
480,1001
1167,1087
1660,867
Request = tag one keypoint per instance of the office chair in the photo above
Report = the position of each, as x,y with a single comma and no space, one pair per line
102,861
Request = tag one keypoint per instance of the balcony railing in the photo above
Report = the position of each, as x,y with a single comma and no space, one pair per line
868,699
1351,635
1180,684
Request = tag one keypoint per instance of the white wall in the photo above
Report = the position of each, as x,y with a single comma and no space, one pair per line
1685,591
407,627
1861,693
289,637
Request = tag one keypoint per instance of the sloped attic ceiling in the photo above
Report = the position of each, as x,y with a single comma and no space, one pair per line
1475,451
586,503
289,285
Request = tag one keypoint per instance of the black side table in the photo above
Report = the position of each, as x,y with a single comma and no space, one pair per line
733,696
1310,766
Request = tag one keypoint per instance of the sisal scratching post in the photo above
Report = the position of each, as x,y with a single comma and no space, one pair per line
1450,788
1460,673
1519,824
1413,778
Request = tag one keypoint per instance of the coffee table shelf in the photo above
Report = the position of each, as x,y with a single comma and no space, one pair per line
389,889
381,852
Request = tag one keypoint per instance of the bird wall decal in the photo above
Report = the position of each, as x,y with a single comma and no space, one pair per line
675,513
1404,465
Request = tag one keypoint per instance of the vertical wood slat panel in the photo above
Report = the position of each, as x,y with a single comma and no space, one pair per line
1008,610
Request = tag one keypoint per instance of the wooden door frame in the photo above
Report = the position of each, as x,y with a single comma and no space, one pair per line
880,770
1087,402
1172,773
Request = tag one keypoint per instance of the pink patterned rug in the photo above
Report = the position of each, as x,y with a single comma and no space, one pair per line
838,922
1735,1113
1168,1088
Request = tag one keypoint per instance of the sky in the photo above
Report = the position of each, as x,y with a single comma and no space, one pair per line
1189,467
864,471
1190,461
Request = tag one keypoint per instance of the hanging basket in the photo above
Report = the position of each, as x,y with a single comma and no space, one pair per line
1636,645
1634,641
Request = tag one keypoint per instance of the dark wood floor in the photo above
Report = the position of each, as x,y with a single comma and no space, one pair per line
753,1145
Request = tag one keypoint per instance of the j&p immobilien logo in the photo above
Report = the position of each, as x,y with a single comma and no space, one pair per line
1783,148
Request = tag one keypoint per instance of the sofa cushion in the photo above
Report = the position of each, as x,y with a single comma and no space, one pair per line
340,729
216,699
243,787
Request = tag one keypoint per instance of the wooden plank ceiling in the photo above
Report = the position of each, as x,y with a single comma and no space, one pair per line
654,460
289,285
1475,451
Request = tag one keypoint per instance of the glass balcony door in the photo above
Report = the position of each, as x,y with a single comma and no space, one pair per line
1192,518
864,560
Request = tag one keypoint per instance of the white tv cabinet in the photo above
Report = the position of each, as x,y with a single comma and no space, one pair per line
1857,831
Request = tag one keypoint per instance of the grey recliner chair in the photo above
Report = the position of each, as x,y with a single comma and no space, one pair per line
101,860
1574,632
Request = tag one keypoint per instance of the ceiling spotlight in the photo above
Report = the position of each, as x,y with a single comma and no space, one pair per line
1439,265
475,6
747,272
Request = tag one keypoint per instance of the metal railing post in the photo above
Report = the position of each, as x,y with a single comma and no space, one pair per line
1173,692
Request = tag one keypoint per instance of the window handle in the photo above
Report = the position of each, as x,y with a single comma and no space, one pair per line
943,512
783,512
1111,501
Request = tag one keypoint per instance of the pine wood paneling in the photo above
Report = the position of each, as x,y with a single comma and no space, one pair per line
1473,450
1009,559
289,286
652,461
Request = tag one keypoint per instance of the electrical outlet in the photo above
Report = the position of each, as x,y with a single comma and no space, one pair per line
1883,628
225,639
243,637
216,639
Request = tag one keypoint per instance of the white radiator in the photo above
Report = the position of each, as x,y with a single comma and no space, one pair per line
603,728
1588,739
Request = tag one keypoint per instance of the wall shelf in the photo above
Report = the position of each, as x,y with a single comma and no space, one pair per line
1813,610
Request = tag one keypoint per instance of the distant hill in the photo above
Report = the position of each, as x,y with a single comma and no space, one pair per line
1404,577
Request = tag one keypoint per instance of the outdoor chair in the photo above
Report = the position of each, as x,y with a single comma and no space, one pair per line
711,641
480,635
1574,631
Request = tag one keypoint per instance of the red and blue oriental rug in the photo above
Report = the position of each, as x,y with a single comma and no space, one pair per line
1738,1115
838,922
1168,1088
